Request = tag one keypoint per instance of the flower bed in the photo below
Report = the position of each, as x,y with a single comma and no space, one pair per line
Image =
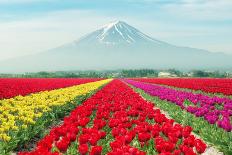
210,85
168,100
23,117
11,87
114,121
210,108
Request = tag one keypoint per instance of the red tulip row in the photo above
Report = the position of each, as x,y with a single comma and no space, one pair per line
209,85
10,87
114,121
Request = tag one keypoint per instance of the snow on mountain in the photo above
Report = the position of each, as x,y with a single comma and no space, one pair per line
117,32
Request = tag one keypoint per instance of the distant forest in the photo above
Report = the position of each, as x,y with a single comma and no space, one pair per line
121,74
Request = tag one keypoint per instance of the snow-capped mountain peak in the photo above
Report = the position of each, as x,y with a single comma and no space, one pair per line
117,32
117,45
111,25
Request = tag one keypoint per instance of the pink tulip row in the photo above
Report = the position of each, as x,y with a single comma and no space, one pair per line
210,85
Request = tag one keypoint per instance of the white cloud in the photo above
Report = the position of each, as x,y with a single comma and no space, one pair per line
216,10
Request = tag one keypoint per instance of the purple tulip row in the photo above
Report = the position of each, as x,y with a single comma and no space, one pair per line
215,110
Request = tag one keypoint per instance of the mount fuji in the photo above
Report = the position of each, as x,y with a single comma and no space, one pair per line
117,45
116,33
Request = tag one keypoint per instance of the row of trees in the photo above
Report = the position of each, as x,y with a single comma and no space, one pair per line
119,74
215,74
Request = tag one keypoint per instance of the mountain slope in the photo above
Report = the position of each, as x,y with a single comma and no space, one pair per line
117,45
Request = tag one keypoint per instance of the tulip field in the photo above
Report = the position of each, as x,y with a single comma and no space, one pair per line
74,116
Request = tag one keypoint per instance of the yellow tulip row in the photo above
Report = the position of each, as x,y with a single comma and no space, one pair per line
19,112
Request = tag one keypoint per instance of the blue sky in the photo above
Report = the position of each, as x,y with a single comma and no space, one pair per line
30,26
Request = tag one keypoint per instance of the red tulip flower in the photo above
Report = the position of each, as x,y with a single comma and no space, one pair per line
200,146
96,150
83,149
